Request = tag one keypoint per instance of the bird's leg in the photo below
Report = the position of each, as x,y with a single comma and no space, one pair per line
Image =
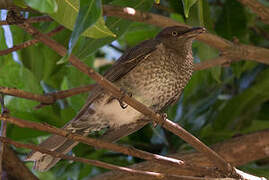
122,104
124,93
160,122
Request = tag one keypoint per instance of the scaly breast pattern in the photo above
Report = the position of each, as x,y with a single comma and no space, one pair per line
159,78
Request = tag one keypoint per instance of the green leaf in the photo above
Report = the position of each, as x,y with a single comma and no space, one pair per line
257,125
208,22
187,4
66,15
89,12
200,15
230,115
44,6
44,67
139,32
201,12
19,3
13,75
117,25
206,53
74,78
63,60
232,22
177,17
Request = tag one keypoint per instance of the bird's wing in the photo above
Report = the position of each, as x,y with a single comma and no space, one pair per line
123,65
130,59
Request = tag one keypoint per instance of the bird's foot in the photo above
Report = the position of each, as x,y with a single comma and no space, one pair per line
124,93
160,121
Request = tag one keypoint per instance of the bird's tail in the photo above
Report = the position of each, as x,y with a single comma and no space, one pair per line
44,162
83,123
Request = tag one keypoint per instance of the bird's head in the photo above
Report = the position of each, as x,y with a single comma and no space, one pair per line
178,36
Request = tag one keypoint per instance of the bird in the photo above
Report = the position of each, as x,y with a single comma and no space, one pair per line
154,72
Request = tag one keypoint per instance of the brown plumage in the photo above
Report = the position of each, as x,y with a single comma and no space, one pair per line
155,72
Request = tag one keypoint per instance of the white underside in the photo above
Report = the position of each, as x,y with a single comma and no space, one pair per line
115,114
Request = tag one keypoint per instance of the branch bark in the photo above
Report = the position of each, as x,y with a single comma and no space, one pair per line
2,133
211,63
31,20
132,172
237,151
48,98
92,162
14,167
95,142
258,8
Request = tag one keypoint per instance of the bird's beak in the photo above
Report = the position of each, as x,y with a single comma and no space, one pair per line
193,32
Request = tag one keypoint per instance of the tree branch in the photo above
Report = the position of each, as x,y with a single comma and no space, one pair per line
36,19
3,132
28,43
237,151
15,168
211,63
131,151
133,172
200,147
237,51
258,8
48,98
218,161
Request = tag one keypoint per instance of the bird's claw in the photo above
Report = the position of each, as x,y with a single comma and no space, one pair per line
122,105
125,93
160,121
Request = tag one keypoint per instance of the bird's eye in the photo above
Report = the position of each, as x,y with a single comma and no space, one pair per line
174,33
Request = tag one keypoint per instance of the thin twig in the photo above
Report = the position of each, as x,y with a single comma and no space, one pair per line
28,43
211,63
116,48
47,99
95,142
61,50
32,20
2,133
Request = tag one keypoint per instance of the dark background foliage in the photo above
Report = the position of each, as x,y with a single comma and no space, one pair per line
217,104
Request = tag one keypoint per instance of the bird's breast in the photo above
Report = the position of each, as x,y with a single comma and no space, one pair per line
159,77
